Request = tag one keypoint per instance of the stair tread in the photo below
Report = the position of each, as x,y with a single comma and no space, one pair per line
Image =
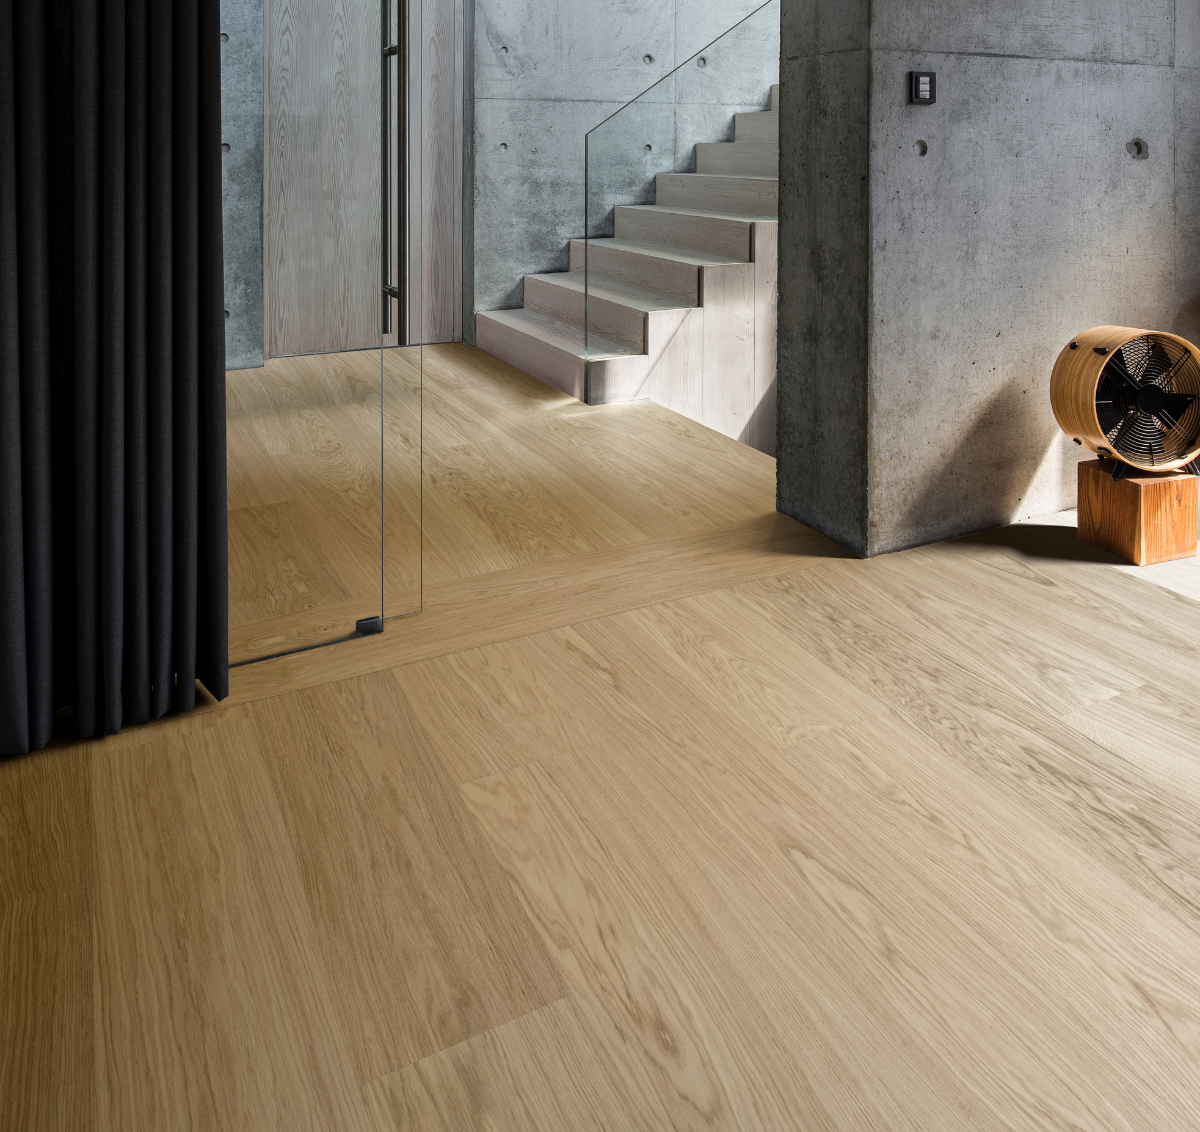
693,256
724,176
560,334
634,297
711,213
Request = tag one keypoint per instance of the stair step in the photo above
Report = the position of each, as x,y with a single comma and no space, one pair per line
551,349
702,229
746,159
757,196
560,334
614,313
756,126
660,269
775,97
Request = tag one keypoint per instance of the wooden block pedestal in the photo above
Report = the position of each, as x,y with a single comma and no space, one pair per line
1146,517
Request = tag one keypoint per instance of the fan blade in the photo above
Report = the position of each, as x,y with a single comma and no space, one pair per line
1128,423
1176,405
1117,365
1167,379
1152,362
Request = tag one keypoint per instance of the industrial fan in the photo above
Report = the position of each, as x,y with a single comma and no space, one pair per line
1131,396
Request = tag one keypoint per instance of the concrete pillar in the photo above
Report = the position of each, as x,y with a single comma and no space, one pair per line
935,259
242,179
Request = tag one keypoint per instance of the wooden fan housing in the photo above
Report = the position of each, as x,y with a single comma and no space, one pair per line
1096,404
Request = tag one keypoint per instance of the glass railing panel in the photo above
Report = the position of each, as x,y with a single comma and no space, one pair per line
654,134
402,358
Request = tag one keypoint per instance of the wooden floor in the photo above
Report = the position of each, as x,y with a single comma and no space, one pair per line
671,816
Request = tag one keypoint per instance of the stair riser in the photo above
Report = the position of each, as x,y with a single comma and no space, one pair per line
608,319
548,363
704,233
745,159
759,126
754,196
679,281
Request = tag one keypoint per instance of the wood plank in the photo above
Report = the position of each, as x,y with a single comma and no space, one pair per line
758,196
321,179
214,1004
440,127
635,263
739,159
571,806
710,231
609,317
692,1042
863,635
651,672
756,126
675,347
540,1073
47,1071
275,565
728,377
424,942
494,607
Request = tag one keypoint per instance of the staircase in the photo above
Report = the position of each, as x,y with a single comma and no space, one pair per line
682,298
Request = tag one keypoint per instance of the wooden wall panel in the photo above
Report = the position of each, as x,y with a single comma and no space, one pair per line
436,246
321,177
321,190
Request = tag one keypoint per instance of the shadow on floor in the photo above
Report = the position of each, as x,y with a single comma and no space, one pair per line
1044,540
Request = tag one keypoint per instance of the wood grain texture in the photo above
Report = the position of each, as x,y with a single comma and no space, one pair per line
540,1073
753,195
494,607
47,1068
1073,383
423,941
689,821
727,379
1142,518
685,228
757,126
694,248
936,972
441,124
511,479
214,1006
321,183
745,159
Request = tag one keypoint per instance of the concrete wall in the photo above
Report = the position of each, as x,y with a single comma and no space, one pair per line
546,72
242,179
923,299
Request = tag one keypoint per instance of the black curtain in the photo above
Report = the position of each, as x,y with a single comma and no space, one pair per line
113,566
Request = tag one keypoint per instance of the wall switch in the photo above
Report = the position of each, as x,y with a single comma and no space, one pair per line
922,87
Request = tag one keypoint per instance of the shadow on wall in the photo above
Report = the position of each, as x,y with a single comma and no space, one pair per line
991,466
1187,320
760,428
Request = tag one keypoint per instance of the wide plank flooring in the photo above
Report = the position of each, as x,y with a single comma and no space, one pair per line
665,814
516,474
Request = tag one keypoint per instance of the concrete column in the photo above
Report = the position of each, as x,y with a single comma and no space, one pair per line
935,259
242,179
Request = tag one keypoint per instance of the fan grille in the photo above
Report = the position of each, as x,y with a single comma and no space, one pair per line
1148,401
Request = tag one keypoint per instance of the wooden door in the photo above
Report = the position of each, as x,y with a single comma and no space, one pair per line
321,182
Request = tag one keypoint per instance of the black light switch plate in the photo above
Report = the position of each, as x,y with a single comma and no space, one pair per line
922,87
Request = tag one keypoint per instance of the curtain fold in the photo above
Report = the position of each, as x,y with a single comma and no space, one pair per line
113,567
